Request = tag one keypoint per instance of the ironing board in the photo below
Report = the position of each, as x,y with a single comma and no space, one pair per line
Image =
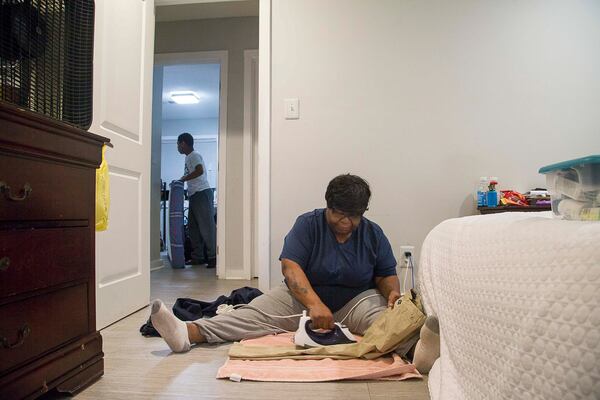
176,232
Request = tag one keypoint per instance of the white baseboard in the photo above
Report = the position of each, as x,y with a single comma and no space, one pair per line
156,264
235,274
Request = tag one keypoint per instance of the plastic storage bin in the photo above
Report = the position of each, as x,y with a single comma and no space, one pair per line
574,187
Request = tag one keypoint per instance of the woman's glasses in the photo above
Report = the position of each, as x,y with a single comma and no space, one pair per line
339,215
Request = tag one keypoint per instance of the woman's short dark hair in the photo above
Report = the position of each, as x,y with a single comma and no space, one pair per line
348,193
186,138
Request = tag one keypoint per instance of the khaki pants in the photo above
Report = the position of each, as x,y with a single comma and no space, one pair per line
393,330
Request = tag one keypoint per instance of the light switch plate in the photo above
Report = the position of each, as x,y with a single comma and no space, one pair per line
292,110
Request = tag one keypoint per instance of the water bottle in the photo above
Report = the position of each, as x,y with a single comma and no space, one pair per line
481,192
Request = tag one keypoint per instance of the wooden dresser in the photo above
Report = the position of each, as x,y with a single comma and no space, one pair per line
48,336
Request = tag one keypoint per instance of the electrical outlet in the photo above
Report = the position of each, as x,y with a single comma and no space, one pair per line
407,248
405,269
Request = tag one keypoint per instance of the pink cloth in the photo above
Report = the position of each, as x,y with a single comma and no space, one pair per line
289,370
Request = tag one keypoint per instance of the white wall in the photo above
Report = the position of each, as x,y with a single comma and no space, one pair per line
423,97
234,35
155,170
202,127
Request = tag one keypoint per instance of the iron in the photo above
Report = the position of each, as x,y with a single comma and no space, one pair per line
306,337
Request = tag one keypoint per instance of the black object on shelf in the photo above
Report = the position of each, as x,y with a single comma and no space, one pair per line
501,209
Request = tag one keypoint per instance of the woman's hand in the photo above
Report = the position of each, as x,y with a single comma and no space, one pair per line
389,286
392,297
321,316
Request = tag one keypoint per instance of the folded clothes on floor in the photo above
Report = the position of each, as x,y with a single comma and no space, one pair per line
389,367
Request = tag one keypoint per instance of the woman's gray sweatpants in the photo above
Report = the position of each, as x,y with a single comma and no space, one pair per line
245,323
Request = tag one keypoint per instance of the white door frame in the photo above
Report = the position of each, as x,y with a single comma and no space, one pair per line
249,164
210,57
179,2
263,217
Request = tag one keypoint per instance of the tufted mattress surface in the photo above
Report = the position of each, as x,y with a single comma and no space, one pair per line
518,300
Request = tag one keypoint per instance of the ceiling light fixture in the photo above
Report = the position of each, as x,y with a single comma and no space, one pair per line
184,97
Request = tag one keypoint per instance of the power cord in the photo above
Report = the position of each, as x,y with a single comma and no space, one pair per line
412,269
226,308
409,265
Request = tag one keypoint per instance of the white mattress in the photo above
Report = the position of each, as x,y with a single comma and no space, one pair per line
518,300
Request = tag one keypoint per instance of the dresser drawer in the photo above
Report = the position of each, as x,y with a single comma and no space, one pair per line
35,325
39,190
38,258
71,367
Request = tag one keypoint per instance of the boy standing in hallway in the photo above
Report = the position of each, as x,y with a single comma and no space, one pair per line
201,211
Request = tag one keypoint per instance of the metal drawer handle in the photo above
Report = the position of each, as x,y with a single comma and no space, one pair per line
24,193
23,333
4,263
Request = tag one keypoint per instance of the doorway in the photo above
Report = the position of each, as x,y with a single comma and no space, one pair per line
202,78
204,26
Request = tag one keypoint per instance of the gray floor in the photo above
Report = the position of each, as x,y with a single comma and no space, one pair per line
144,368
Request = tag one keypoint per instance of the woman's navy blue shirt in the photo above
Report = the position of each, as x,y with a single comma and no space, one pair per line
338,271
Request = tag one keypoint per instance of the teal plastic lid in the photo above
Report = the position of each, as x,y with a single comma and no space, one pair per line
595,159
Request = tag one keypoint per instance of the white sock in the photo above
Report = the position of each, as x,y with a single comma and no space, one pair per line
172,329
428,346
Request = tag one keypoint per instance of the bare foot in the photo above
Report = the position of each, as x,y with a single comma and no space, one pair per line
194,333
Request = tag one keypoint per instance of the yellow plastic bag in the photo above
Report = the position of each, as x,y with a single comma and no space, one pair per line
102,194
